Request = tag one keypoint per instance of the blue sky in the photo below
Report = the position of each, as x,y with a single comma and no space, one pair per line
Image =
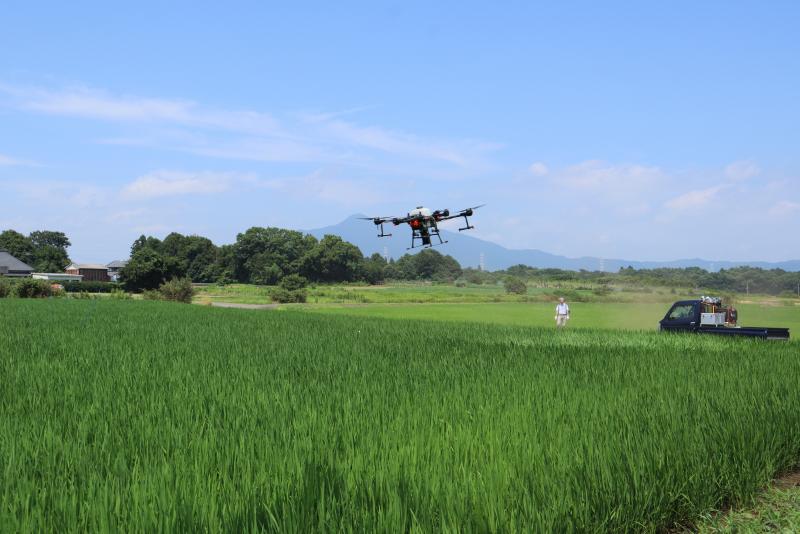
631,129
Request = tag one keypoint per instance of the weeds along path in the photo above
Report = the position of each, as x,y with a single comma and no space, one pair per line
158,416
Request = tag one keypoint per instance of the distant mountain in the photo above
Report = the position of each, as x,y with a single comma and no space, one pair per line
468,250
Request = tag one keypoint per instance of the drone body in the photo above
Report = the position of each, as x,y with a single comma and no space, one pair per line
424,224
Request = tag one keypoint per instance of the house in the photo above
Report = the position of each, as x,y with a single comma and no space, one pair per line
91,272
11,266
57,277
114,268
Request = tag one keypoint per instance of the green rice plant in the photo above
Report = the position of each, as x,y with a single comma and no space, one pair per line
146,416
6,289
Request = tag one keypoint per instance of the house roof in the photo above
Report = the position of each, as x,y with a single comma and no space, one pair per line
13,264
117,264
86,266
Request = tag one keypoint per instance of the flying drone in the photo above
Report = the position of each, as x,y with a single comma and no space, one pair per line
424,224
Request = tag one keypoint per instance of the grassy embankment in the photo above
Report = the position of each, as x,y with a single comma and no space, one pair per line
120,415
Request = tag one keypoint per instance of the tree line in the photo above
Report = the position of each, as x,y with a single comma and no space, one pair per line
265,256
737,279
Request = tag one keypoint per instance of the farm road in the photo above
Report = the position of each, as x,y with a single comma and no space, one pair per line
244,306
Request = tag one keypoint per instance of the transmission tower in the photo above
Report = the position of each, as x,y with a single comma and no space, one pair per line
482,262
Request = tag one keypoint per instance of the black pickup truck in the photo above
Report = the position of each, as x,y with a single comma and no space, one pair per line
697,316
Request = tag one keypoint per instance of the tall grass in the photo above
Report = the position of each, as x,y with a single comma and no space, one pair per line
152,416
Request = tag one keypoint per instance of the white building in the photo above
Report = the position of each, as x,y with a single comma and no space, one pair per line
58,277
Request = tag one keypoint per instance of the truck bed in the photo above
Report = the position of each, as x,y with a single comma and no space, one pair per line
748,331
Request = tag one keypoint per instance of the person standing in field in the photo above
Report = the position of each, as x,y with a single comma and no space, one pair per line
562,313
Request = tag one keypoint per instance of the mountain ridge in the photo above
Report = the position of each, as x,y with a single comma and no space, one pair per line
470,250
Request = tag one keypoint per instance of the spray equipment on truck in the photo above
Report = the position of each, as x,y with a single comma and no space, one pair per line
715,313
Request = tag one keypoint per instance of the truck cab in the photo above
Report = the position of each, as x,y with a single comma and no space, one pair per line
682,316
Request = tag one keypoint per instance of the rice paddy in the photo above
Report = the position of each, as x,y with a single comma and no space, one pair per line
150,416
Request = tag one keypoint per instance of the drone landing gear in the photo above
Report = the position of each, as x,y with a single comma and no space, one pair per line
466,220
425,235
382,233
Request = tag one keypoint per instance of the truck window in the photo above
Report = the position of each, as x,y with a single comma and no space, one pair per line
684,311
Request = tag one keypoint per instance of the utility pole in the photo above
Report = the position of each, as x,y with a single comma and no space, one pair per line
747,287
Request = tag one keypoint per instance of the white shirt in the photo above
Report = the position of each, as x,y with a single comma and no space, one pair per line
562,309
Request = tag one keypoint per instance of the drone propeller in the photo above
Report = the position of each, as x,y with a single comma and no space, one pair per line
376,220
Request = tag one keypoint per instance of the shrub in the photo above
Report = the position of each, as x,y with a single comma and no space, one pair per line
91,287
118,294
293,282
602,290
151,294
5,288
31,289
515,286
178,290
285,296
84,295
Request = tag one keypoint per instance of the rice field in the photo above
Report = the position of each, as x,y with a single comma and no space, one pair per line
594,315
151,416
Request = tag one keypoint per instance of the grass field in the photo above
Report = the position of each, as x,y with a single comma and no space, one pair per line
611,315
420,292
128,415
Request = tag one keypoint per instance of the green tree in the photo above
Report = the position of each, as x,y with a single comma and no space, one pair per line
374,269
145,242
428,264
333,260
146,269
49,250
17,245
265,255
515,286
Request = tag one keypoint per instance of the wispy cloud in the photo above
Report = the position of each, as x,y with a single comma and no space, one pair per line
595,175
323,187
784,207
95,104
170,183
8,161
538,169
739,171
62,193
246,134
694,199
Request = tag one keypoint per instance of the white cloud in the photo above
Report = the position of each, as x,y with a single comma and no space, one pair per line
94,104
784,207
597,175
318,186
694,199
538,169
65,193
392,142
126,215
8,161
249,135
169,183
739,171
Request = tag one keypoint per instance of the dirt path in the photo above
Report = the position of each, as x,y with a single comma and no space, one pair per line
244,306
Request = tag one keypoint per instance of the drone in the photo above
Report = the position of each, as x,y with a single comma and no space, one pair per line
424,224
